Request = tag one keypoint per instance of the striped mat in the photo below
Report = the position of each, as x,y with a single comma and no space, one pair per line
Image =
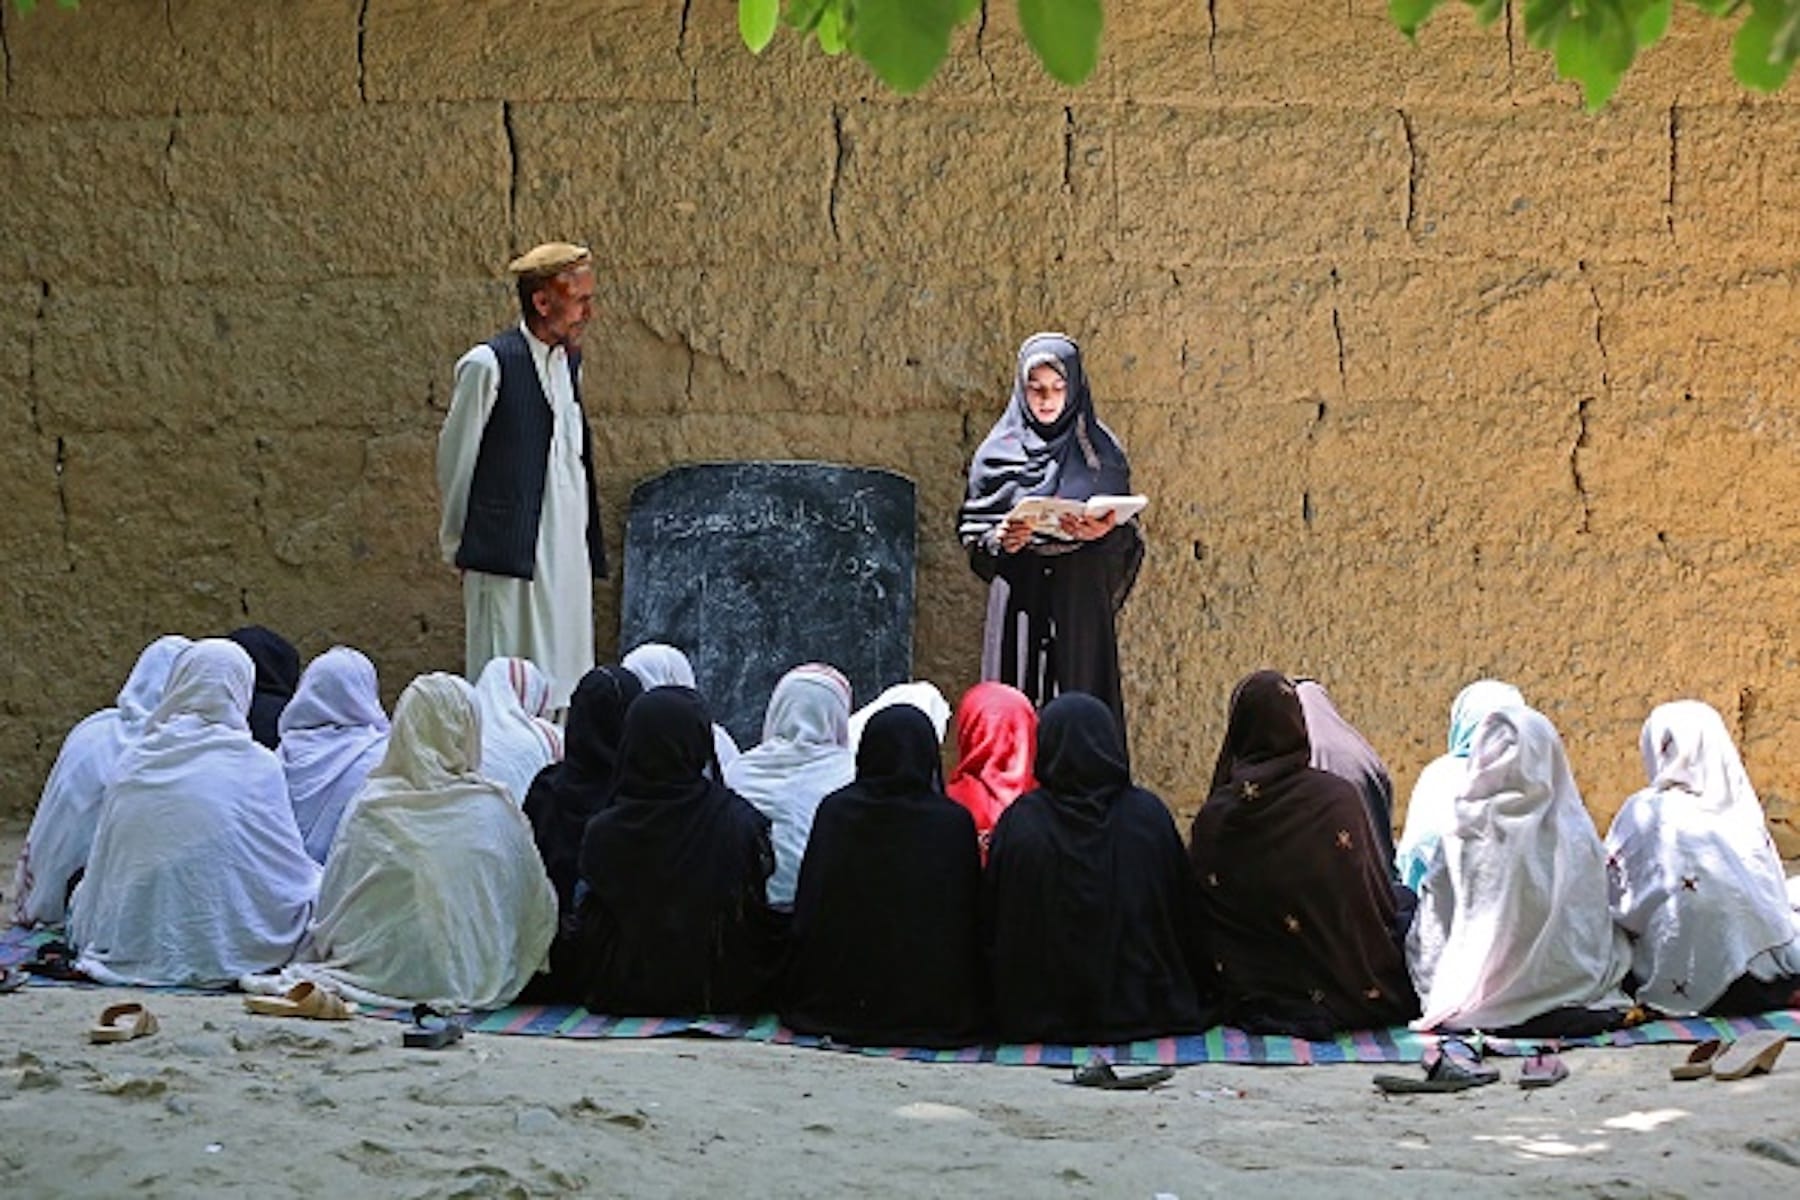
1219,1045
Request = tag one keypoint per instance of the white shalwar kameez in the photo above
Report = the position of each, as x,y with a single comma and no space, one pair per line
548,619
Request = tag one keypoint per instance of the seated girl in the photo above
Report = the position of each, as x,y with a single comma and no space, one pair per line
433,892
657,664
1339,748
1293,882
1431,810
333,732
1696,882
277,675
62,830
885,919
197,873
518,739
804,755
996,741
1088,906
922,694
1513,934
566,795
673,917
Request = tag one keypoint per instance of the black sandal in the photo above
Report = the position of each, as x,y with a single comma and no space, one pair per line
431,1030
56,960
1444,1071
1100,1074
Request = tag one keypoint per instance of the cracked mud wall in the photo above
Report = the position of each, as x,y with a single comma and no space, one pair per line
1429,374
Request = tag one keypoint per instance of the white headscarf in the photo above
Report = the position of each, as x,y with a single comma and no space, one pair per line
434,891
1696,880
517,740
921,694
197,874
333,732
1513,920
659,665
803,757
62,829
1431,811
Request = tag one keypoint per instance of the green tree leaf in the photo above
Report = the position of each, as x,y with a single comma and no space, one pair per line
1762,57
903,40
1651,21
1065,34
756,22
1595,45
1408,15
830,30
805,15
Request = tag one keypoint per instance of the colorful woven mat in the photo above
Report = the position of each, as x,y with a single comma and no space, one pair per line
1220,1045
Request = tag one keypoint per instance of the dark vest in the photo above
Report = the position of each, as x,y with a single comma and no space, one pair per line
506,495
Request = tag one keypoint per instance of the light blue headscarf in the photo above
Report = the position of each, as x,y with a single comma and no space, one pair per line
1430,811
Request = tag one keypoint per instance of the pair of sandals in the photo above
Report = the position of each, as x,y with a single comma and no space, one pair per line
1718,1058
430,1030
1456,1065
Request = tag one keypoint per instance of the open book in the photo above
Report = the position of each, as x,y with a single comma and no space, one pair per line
1044,513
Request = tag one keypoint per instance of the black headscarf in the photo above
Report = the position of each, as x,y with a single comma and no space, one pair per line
566,794
675,919
1075,456
277,675
887,908
1293,883
1088,903
1339,748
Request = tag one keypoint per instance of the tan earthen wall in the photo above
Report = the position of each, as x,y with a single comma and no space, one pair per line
1430,374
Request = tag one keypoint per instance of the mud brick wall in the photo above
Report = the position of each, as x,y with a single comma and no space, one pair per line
1430,374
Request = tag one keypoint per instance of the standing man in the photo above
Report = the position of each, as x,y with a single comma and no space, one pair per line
516,472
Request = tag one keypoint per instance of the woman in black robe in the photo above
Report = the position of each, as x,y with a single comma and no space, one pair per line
277,676
674,920
886,914
566,794
1088,906
1294,887
1052,602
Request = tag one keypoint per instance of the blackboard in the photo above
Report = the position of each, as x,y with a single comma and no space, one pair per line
753,568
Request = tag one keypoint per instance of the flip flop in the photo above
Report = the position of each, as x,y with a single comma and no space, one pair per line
431,1030
1543,1069
1752,1054
1699,1062
305,999
123,1023
1444,1072
1100,1074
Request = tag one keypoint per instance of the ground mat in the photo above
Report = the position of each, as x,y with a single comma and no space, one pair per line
1220,1045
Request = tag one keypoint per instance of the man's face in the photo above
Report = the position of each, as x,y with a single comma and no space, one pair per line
566,306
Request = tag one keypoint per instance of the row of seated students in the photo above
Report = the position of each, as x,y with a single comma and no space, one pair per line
827,873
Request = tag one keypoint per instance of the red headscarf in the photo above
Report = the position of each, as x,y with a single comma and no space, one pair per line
996,744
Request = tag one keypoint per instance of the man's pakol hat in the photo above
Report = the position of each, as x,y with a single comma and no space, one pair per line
551,258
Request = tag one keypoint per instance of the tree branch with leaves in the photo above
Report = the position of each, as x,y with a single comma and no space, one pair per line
1594,42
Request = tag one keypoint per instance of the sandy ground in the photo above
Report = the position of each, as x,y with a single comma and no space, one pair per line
220,1102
